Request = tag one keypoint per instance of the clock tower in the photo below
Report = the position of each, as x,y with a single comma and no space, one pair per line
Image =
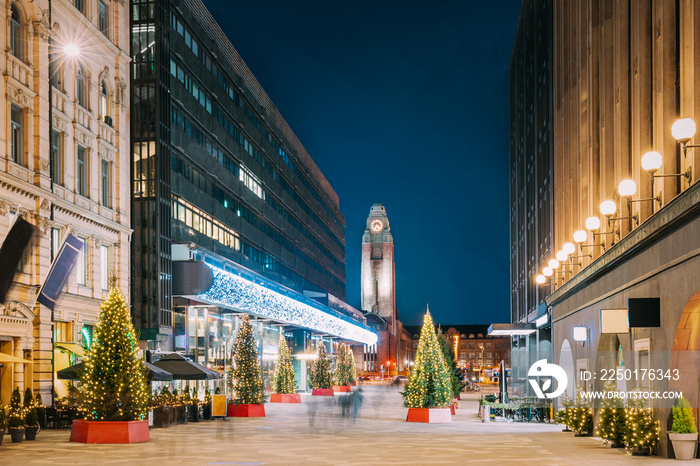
378,280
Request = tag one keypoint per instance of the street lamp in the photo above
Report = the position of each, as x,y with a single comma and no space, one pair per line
652,161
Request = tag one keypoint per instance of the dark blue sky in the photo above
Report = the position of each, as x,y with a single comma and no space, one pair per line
406,104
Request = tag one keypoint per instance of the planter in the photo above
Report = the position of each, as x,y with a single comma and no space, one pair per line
206,411
30,432
194,413
581,434
17,434
639,451
429,415
285,398
162,416
245,410
342,388
322,392
109,431
2,434
453,407
685,446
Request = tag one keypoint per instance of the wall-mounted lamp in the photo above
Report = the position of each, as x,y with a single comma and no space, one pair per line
592,224
608,208
568,248
540,279
683,131
652,161
561,256
580,333
547,271
553,264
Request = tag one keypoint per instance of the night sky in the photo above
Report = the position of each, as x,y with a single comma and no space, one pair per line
405,104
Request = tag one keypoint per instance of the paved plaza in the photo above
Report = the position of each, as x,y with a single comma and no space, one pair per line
315,432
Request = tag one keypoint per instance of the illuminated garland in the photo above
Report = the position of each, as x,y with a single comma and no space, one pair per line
246,379
283,377
235,292
641,430
113,386
429,385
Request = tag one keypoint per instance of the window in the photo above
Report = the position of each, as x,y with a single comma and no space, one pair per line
16,32
56,158
463,346
55,242
16,135
105,113
104,278
63,332
103,17
54,70
79,5
471,346
80,266
105,183
463,356
80,87
87,334
81,172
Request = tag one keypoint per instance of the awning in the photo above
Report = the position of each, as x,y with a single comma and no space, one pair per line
152,372
73,348
184,369
9,358
512,329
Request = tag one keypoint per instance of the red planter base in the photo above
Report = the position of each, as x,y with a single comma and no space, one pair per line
342,388
109,431
322,392
285,398
453,406
429,415
245,410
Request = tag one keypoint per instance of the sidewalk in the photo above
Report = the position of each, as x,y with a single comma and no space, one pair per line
315,433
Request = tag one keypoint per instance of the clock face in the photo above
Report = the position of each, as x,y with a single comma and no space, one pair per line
376,226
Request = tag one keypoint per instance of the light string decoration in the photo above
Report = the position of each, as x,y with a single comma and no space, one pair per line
235,292
429,385
320,373
345,366
113,386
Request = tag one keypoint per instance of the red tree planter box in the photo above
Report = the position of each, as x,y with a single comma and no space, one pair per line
322,392
285,398
453,405
429,415
342,388
244,410
109,431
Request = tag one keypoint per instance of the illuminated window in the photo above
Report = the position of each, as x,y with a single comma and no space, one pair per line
104,267
63,332
105,110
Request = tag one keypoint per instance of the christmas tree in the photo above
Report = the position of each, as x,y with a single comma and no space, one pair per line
611,425
113,386
429,385
641,430
344,370
449,355
353,367
562,416
245,376
15,415
283,377
320,373
31,417
582,419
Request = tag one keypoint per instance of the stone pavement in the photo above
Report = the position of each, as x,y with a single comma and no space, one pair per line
314,432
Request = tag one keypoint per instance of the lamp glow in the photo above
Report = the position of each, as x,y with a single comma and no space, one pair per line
683,129
553,264
561,256
651,161
580,236
592,223
580,333
547,271
608,208
568,248
71,50
540,279
627,188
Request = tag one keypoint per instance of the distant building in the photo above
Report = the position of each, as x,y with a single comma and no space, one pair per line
378,290
473,347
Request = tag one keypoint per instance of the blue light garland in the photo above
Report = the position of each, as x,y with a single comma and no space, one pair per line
235,292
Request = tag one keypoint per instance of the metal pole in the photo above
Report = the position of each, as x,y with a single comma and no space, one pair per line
51,169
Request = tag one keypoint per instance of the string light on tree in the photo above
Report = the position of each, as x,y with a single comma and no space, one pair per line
113,386
321,376
283,377
245,377
429,385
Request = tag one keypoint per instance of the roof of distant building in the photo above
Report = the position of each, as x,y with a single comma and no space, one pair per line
466,330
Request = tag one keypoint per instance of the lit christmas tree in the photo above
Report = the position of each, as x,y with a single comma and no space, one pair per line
344,369
245,373
283,378
320,374
611,425
562,416
581,420
449,355
353,367
429,385
642,431
113,386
